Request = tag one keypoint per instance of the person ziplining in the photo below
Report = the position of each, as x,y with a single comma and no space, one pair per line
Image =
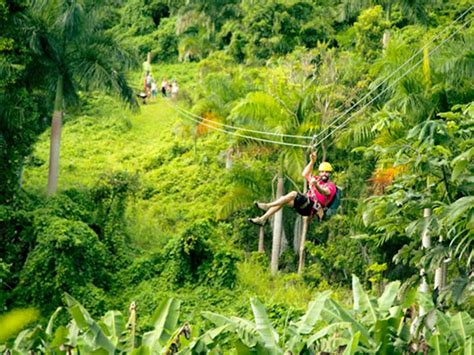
320,196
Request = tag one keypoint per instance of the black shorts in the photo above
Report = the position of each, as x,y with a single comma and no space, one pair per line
303,205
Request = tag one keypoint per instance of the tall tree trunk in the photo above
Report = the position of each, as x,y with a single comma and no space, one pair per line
283,240
386,34
55,139
324,151
261,239
148,59
304,231
386,39
297,234
302,241
132,324
440,273
440,276
228,158
277,228
425,244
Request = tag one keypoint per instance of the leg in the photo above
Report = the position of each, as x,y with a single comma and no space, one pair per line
283,200
274,207
271,211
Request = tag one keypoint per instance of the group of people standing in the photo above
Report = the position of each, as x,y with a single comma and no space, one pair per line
167,89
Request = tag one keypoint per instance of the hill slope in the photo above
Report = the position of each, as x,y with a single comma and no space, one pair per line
179,178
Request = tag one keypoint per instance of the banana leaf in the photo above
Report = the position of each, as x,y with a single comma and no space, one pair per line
94,337
264,326
385,302
114,325
165,320
307,322
330,329
362,302
352,345
438,344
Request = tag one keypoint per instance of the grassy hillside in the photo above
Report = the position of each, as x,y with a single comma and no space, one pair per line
179,176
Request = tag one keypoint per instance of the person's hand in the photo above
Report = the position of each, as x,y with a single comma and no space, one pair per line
313,156
314,180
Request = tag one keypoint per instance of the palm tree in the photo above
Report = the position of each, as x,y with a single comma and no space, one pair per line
72,52
266,112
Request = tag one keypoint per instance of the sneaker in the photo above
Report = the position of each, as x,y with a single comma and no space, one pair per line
257,221
260,205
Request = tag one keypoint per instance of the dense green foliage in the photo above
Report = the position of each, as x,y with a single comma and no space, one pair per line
385,325
152,205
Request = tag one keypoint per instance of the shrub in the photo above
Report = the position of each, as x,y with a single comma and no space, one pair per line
194,258
67,255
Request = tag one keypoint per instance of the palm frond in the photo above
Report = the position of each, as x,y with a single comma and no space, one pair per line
360,132
95,71
236,199
71,19
261,111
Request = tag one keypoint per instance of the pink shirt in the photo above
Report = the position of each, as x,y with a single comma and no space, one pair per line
315,195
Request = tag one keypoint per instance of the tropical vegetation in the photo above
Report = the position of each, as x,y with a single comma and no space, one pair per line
123,223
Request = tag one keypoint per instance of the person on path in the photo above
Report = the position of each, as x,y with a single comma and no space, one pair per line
154,90
149,80
164,87
174,90
320,194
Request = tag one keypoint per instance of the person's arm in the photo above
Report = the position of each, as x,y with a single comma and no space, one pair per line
309,168
322,189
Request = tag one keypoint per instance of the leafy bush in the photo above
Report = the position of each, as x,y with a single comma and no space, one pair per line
369,29
110,197
66,256
194,258
166,42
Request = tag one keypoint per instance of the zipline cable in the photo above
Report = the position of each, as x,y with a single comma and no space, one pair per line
201,119
396,71
186,115
388,87
244,129
349,109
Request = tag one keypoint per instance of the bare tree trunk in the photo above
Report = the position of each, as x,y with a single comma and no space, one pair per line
283,241
132,323
228,158
55,144
261,240
386,39
304,231
425,244
277,228
440,276
297,234
148,58
324,150
440,273
303,240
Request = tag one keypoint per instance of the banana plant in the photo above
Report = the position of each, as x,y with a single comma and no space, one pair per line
93,337
257,336
373,325
110,334
383,326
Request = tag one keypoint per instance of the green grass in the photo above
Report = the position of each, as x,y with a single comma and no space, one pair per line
179,176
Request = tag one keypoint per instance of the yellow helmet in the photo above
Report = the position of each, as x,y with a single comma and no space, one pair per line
325,166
